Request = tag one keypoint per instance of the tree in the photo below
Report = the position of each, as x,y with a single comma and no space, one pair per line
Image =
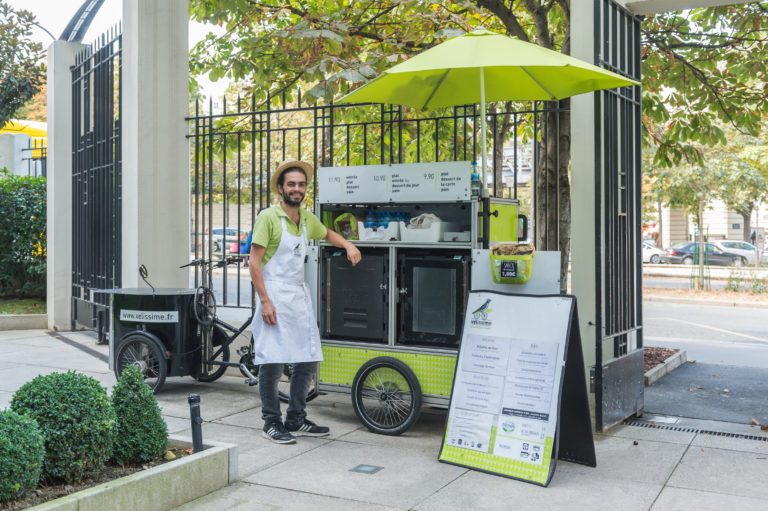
21,65
703,69
691,187
744,167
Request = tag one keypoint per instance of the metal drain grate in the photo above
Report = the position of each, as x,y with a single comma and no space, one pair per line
643,424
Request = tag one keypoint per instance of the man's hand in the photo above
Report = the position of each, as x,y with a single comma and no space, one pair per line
336,239
353,254
268,312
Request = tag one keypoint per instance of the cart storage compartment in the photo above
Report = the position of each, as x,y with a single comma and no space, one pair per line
354,298
433,294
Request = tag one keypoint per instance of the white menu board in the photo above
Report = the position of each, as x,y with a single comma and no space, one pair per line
506,392
406,182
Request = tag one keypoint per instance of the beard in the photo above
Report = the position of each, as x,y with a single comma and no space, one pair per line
291,202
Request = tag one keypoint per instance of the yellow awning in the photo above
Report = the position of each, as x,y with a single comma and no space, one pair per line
20,127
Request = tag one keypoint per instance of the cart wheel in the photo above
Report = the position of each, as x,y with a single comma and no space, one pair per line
212,372
284,386
139,351
204,306
386,396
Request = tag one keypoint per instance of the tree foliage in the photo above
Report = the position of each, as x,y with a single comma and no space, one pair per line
325,45
36,109
703,69
22,235
21,66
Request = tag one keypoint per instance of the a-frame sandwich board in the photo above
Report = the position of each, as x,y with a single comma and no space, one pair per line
519,399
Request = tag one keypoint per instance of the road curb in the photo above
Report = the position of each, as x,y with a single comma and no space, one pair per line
669,365
702,301
23,321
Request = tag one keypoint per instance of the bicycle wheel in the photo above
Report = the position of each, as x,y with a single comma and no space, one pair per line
215,345
204,306
140,351
386,396
284,385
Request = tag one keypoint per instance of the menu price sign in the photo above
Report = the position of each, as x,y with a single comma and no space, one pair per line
407,182
508,391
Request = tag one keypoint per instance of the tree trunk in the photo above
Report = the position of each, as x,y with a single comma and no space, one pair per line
747,219
565,191
660,238
552,200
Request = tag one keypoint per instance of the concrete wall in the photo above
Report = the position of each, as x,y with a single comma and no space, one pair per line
11,145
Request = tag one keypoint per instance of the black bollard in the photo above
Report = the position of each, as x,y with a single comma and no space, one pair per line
197,421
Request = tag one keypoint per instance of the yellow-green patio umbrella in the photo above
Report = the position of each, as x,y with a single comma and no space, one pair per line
484,66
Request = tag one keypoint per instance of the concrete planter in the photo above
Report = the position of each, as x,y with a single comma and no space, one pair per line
23,321
159,488
670,364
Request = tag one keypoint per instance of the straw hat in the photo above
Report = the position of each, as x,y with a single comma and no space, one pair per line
287,165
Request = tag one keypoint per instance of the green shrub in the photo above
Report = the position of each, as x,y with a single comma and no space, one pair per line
141,433
22,235
76,419
21,454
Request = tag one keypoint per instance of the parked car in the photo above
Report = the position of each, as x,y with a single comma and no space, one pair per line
651,254
217,236
742,248
688,253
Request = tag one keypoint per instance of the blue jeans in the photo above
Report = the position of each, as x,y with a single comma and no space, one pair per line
301,377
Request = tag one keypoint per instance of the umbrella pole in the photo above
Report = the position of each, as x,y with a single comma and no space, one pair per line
484,154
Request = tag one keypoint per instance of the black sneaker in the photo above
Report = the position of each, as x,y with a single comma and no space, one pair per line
275,431
307,428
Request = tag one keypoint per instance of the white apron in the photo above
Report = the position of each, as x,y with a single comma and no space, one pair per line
295,338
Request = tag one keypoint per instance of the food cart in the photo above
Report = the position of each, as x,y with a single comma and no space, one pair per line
391,326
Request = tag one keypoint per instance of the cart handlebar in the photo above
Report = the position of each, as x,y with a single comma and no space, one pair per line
218,264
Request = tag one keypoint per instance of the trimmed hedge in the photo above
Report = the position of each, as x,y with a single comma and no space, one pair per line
21,455
76,419
22,235
141,434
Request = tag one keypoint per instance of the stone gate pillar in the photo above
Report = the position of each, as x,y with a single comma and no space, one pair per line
155,208
61,55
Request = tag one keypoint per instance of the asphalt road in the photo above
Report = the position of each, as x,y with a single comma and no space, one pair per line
728,380
736,336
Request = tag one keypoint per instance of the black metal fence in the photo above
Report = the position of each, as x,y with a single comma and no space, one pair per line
234,150
96,178
35,156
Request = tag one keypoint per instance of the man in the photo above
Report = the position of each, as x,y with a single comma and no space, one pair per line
284,326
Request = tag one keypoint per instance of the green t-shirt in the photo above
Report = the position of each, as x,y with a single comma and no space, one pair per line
268,229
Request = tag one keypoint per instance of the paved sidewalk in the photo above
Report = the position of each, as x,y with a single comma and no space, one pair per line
638,468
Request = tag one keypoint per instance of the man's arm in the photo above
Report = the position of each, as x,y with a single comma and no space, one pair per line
336,239
268,313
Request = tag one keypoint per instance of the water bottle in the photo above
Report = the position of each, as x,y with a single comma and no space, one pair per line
370,219
476,184
386,217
